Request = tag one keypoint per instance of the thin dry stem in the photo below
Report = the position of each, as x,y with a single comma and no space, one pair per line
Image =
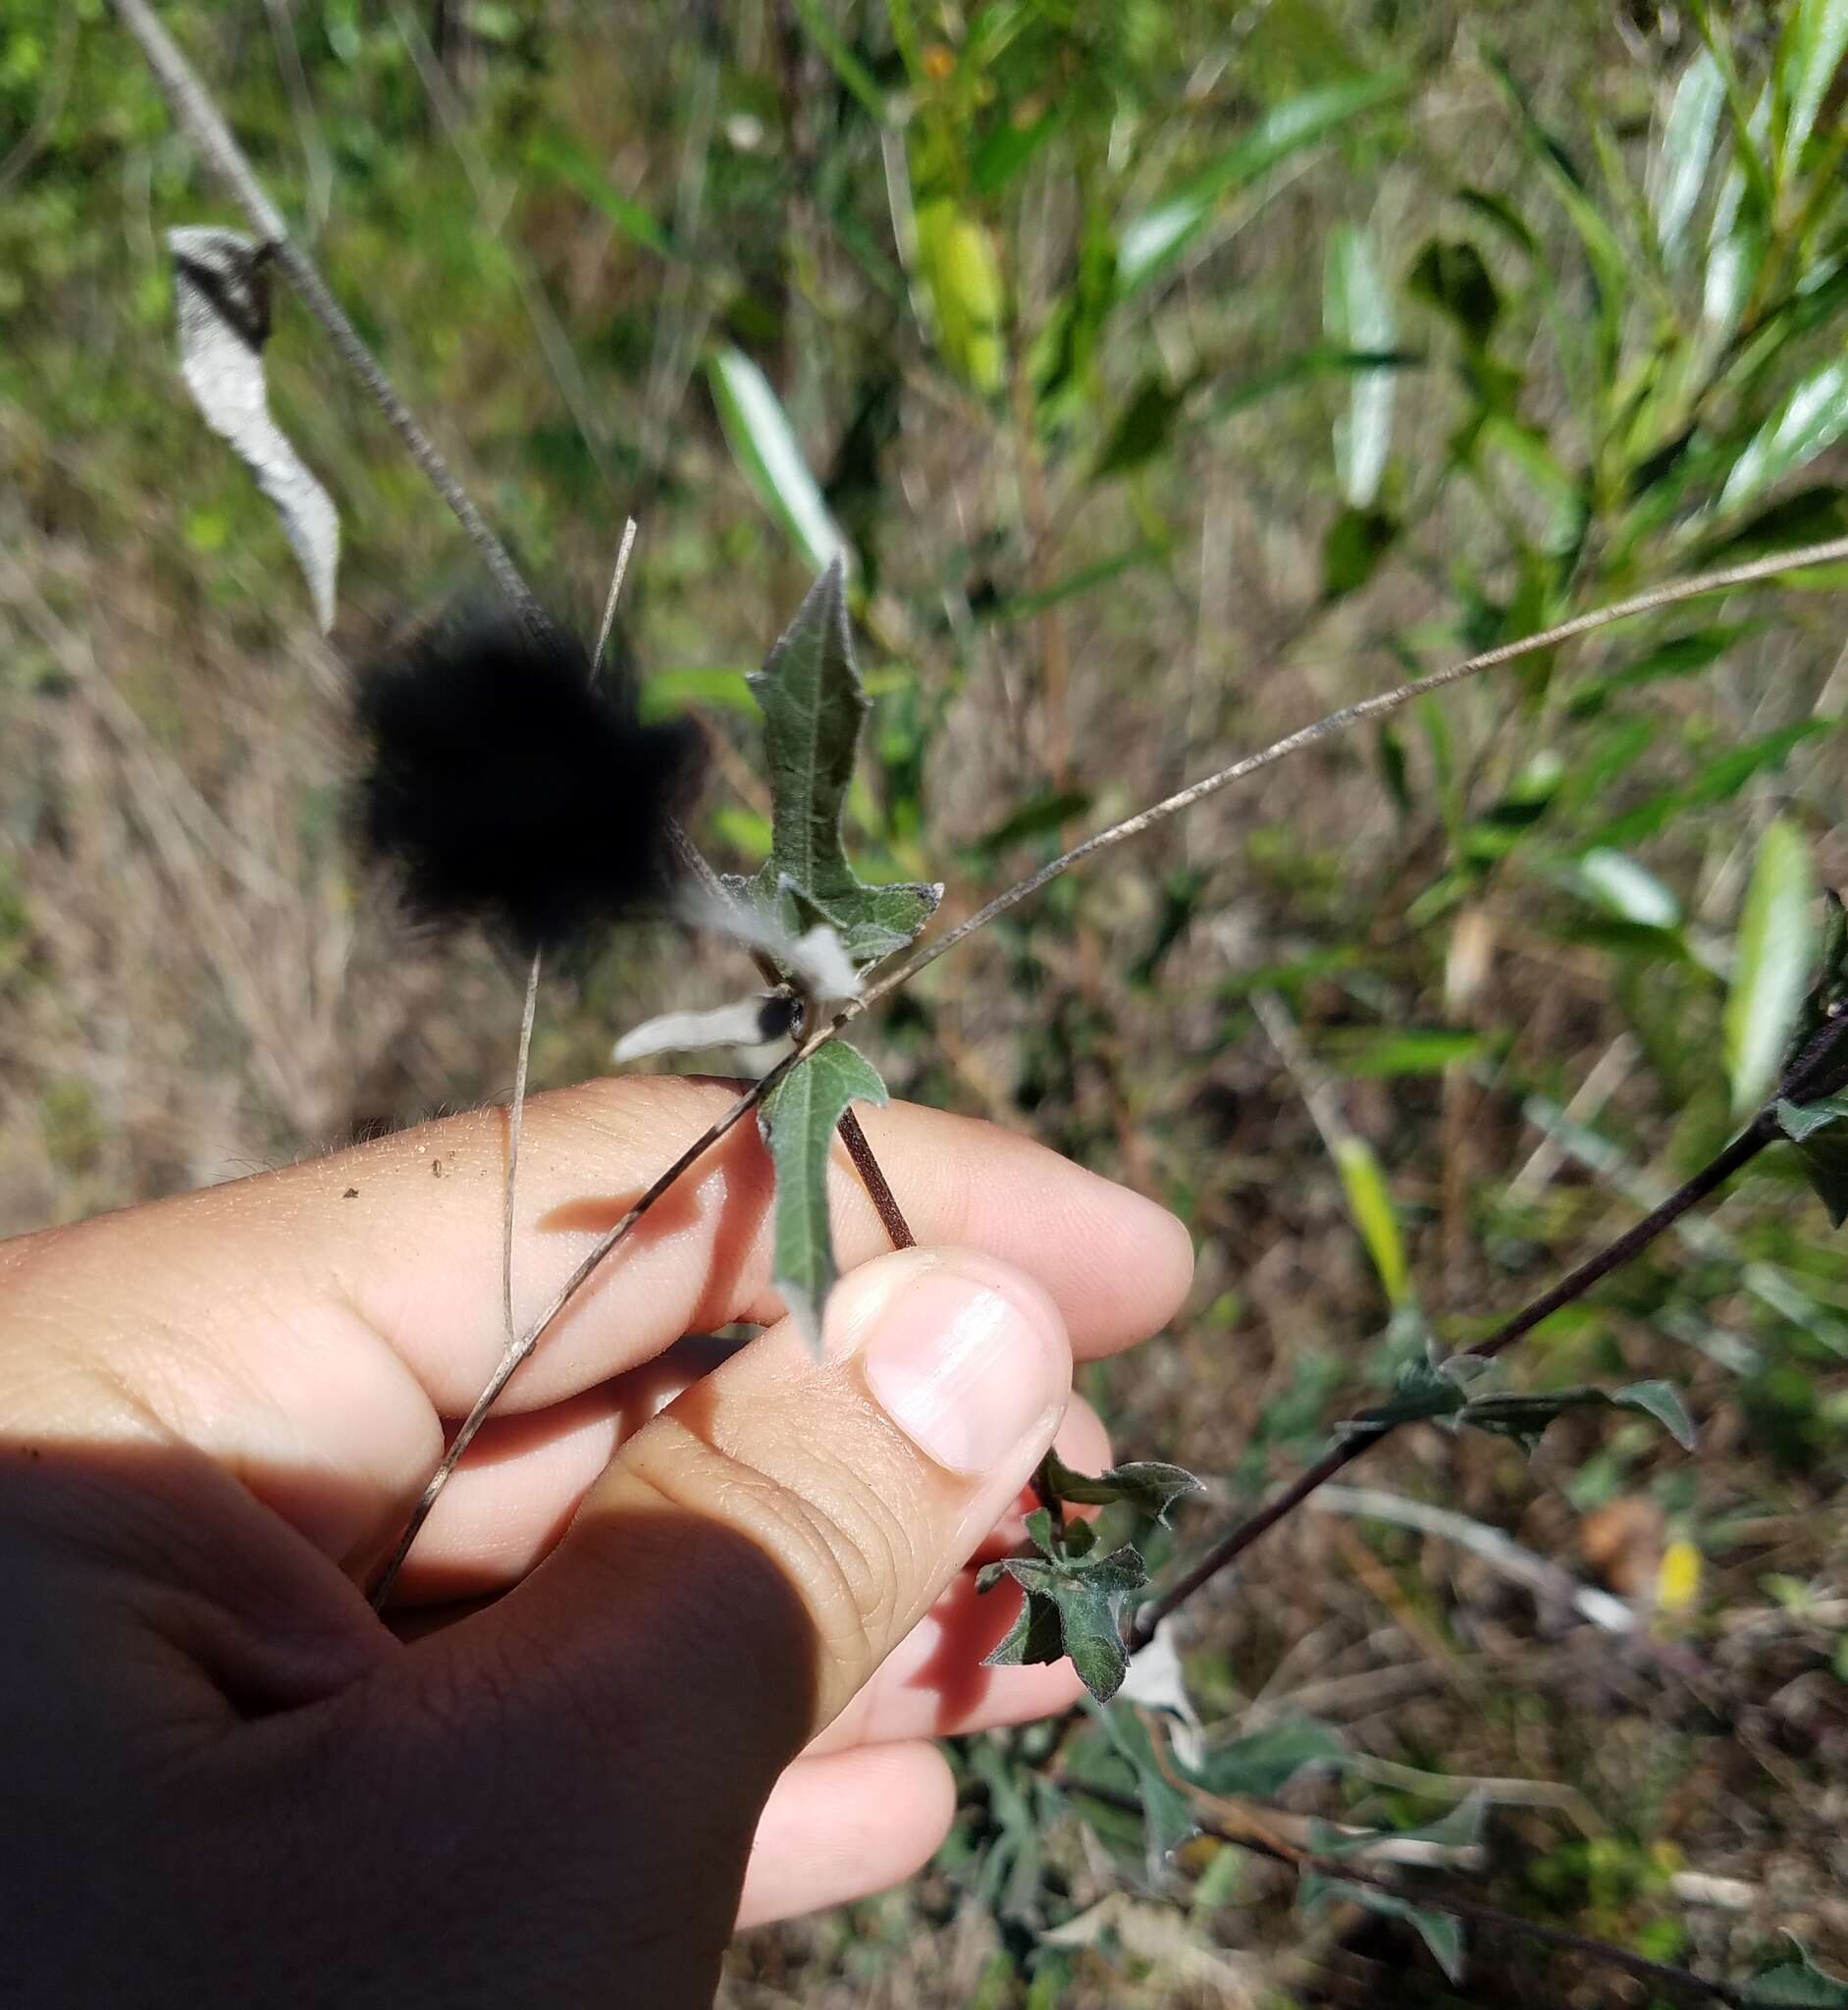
1832,552
1817,1071
516,1117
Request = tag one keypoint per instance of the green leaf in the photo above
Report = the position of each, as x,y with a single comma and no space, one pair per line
814,710
1073,1607
1460,1827
763,444
1371,1205
1719,780
1241,394
1605,256
798,1120
1357,315
1449,273
1525,1418
1662,1402
1795,1984
1819,1131
1410,1050
1811,419
1687,149
1147,245
962,283
1680,656
553,154
1771,968
1441,1933
1357,540
1739,234
1815,41
1148,1485
1627,889
1141,429
1263,1763
1123,1754
1043,815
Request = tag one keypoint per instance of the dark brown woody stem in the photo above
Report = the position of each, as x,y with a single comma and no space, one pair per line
1490,1918
873,1177
1817,1071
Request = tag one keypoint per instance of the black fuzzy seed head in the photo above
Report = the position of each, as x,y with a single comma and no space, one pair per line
504,787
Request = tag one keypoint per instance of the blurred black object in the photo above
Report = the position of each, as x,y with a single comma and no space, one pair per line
506,786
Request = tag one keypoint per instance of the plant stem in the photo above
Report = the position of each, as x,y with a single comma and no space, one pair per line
201,117
872,1176
1815,1071
1490,1918
1833,552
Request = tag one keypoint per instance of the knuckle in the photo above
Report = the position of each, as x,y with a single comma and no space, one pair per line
840,1545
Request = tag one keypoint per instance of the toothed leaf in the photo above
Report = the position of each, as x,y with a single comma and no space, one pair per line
814,710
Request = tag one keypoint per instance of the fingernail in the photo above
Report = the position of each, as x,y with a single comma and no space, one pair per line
969,1364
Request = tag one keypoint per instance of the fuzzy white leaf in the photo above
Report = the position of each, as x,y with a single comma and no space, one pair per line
222,289
750,1023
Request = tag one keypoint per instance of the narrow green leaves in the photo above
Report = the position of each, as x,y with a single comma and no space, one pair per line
1357,315
1811,419
1772,969
1072,1606
1371,1204
798,1120
1442,1394
763,444
1814,45
1687,148
814,710
1149,243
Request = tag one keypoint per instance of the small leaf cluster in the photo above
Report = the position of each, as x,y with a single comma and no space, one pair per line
1075,1592
1451,1393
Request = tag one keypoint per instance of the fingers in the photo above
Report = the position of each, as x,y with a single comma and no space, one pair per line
307,1327
788,1521
513,1496
846,1827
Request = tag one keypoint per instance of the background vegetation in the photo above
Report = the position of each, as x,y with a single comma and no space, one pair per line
1175,372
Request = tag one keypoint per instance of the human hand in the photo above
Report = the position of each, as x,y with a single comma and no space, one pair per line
620,1649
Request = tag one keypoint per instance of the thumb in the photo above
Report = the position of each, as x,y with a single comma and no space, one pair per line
752,1554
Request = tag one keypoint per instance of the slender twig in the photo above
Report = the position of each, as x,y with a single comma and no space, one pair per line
516,1117
872,1177
1815,1071
1831,553
1490,1918
522,1348
615,588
